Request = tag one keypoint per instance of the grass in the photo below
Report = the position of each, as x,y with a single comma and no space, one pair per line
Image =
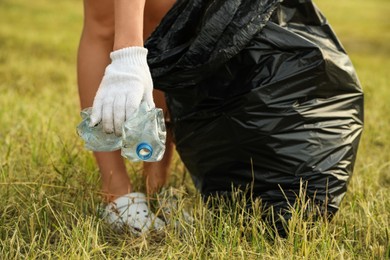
49,185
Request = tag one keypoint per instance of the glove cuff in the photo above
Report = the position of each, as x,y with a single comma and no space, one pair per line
130,55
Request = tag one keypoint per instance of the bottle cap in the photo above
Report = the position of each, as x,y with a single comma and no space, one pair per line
144,151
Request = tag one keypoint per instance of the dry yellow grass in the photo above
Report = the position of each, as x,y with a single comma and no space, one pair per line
49,184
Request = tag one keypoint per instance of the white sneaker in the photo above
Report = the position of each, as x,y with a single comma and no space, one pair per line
132,210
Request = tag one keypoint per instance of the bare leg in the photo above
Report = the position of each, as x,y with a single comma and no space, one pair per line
156,174
96,43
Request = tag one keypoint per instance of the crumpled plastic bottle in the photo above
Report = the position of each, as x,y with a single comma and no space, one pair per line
94,137
143,135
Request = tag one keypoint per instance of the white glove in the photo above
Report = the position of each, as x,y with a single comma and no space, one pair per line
126,82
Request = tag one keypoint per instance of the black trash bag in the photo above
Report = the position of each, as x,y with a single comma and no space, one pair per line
261,93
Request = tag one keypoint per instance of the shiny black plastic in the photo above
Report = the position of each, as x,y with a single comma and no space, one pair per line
261,93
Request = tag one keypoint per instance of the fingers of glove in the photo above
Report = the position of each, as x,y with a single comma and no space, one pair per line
119,114
148,99
133,101
96,115
107,115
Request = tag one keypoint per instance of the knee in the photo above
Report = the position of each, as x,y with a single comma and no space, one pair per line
99,20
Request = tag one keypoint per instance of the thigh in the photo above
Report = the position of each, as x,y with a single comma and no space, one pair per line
155,10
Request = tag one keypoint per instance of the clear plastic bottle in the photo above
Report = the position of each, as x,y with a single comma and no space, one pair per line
94,137
143,135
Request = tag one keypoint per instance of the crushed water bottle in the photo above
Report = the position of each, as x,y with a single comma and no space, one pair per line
94,137
143,135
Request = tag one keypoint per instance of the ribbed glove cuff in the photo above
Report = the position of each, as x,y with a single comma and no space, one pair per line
130,55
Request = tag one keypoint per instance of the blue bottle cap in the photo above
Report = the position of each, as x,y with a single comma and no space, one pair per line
144,151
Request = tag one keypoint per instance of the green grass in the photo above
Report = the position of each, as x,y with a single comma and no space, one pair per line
49,185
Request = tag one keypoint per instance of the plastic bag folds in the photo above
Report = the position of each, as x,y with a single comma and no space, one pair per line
261,93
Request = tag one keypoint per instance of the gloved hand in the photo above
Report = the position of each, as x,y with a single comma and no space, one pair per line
126,82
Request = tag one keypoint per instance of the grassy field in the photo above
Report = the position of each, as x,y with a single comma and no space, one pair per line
49,185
